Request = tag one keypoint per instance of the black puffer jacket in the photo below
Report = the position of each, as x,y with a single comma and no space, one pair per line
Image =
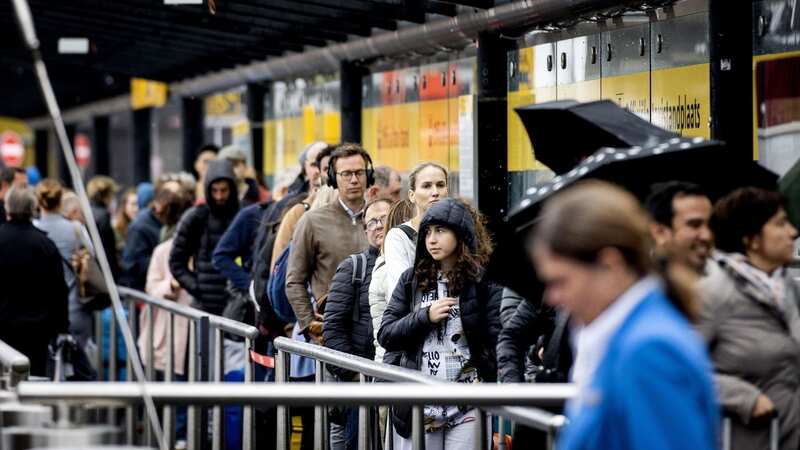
197,235
347,329
406,325
520,331
103,220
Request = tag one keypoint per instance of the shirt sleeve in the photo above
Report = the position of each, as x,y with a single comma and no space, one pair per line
397,258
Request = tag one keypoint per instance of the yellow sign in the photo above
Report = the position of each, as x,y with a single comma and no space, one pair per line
147,93
681,100
269,147
224,104
629,91
581,91
434,131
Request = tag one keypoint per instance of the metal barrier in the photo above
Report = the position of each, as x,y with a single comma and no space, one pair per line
14,366
204,328
550,394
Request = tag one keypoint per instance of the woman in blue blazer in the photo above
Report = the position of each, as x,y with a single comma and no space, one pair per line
643,375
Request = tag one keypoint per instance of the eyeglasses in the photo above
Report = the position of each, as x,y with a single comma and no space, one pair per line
375,223
348,174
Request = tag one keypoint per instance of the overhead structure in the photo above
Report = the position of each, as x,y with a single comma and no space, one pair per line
244,41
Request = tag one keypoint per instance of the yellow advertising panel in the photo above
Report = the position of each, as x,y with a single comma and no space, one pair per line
629,91
397,131
520,151
455,108
224,104
331,127
269,147
369,133
292,139
147,93
309,128
434,131
681,100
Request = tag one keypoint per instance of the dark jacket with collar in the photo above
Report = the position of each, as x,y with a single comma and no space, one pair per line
197,235
348,324
142,239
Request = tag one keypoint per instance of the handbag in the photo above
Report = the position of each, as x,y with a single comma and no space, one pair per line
92,289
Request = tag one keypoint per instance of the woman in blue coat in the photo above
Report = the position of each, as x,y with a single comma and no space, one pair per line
643,375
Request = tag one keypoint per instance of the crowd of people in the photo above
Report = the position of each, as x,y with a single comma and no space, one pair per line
666,314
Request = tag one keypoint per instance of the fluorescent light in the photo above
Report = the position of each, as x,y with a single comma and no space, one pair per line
183,2
74,46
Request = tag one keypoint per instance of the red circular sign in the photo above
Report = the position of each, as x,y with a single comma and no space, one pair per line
11,149
83,151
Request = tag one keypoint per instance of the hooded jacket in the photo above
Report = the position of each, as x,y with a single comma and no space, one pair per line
405,324
197,235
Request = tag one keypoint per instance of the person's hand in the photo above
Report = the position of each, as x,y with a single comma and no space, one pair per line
763,406
440,309
314,332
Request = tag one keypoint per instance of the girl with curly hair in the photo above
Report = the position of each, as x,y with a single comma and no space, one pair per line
443,318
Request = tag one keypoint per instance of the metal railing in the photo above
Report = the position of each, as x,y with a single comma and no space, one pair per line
14,366
204,364
548,395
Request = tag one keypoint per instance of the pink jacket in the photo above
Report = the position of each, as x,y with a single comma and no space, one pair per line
159,285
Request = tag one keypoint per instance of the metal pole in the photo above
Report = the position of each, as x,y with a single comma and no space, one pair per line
418,427
501,433
112,360
283,430
204,330
219,358
148,428
481,437
247,412
364,437
169,416
130,418
319,425
98,338
192,427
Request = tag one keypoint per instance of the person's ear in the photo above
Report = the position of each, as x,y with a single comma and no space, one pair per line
661,234
372,193
610,258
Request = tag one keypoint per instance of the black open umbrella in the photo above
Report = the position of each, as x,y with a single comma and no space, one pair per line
565,132
635,168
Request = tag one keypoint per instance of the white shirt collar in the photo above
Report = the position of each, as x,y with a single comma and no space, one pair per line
592,340
353,215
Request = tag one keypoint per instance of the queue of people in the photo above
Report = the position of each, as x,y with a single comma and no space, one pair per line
667,314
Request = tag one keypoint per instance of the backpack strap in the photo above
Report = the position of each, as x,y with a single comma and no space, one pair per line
410,232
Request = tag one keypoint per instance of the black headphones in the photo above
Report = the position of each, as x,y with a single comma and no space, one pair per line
332,169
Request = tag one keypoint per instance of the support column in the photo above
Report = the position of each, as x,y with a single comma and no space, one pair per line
40,143
492,140
350,75
255,115
731,40
141,144
101,145
63,169
192,128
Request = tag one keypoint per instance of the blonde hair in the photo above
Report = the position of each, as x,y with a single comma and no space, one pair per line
101,189
48,194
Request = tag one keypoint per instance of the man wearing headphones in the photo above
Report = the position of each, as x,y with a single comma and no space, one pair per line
324,237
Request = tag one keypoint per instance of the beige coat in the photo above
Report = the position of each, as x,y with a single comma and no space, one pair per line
159,285
755,347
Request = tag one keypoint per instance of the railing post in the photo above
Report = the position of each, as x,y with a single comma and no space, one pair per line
219,362
130,418
481,436
320,430
150,374
364,435
169,416
247,411
98,339
204,333
283,429
192,425
112,359
418,427
501,433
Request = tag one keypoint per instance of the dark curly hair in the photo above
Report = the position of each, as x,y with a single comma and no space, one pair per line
469,264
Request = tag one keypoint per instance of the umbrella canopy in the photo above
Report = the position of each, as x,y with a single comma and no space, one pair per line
789,186
565,132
